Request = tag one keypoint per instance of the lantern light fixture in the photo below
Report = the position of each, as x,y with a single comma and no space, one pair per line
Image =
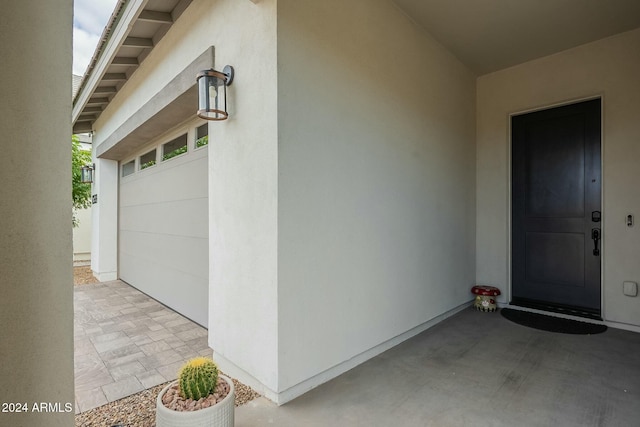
86,173
212,93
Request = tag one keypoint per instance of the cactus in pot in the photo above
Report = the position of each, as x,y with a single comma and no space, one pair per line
200,397
198,378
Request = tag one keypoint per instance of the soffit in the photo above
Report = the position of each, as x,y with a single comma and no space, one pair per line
486,35
135,27
489,35
172,105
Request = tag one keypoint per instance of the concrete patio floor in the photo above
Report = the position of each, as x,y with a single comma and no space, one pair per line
126,342
476,369
473,369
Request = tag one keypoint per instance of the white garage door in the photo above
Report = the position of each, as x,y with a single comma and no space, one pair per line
163,224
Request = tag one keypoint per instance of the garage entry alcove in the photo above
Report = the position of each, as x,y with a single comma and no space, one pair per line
163,221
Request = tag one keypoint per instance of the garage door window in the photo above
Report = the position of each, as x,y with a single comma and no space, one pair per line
202,135
148,160
174,148
129,168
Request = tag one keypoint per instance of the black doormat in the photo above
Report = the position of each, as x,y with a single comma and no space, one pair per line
551,323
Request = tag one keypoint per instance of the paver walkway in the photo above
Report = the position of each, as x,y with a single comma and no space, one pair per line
126,342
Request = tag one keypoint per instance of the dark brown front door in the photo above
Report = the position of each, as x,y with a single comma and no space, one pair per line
556,213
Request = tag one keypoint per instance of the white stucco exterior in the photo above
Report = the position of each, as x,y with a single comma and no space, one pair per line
376,169
608,68
36,308
242,173
82,233
82,236
104,217
360,186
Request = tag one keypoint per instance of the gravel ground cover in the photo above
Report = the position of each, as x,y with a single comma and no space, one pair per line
137,410
83,276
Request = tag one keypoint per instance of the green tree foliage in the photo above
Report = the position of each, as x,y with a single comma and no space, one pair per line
174,153
81,192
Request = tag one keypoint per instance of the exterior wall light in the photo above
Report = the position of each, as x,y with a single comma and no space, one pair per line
86,173
212,93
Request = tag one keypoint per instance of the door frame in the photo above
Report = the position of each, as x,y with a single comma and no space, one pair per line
509,291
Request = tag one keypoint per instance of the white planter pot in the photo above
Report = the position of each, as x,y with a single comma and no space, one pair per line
218,415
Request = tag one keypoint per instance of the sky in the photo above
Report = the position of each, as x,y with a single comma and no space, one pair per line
89,20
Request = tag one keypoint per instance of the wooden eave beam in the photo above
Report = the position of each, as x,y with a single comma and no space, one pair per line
138,42
124,60
114,77
155,16
82,127
98,101
106,89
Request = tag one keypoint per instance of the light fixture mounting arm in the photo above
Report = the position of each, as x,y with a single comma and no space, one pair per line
229,72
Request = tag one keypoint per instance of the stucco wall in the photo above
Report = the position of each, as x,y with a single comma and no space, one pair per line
242,172
609,68
336,223
36,307
376,162
82,233
82,236
104,220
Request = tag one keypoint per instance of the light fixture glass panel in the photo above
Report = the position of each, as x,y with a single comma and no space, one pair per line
86,174
212,95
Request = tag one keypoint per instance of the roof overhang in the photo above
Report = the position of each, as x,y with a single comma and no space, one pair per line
135,27
486,36
172,105
491,35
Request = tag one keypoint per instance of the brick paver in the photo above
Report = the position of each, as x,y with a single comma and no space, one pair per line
126,341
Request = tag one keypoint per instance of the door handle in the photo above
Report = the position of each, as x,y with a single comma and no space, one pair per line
595,235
